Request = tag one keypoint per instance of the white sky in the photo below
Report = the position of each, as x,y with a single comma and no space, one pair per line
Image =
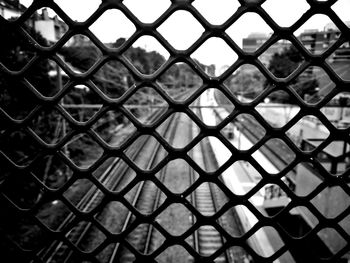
181,29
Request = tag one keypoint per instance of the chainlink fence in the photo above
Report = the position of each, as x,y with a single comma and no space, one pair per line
28,107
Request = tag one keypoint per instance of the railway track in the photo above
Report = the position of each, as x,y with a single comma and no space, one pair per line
59,251
145,197
146,200
207,199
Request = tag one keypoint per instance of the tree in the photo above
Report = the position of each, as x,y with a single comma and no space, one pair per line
16,51
248,84
285,63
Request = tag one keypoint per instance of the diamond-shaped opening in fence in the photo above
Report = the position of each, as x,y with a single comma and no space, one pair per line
90,242
337,110
280,155
264,232
48,25
307,179
82,150
158,240
47,125
181,137
175,219
242,176
315,41
22,189
299,228
39,77
72,9
339,8
292,221
332,240
145,103
180,81
158,7
313,85
21,230
16,100
246,83
55,215
106,28
278,110
279,11
239,252
176,180
290,179
339,61
81,241
105,173
244,131
225,105
138,236
253,38
233,220
113,79
17,50
113,216
177,32
212,106
281,59
210,10
80,53
114,128
52,171
204,202
331,201
274,196
214,56
204,233
144,159
106,252
345,224
218,147
47,77
77,190
81,103
308,132
332,157
148,197
174,253
20,147
147,55
125,253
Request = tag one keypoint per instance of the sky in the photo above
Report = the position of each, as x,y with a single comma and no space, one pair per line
182,29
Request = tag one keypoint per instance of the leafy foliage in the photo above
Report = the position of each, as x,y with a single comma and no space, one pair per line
246,83
285,63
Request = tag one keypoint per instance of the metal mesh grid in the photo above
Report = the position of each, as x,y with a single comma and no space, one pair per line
316,7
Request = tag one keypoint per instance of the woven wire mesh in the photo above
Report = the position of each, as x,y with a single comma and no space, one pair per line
141,80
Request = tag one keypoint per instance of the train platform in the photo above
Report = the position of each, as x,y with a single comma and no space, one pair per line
240,178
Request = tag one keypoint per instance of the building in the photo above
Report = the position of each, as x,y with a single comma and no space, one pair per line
254,41
11,8
51,28
317,41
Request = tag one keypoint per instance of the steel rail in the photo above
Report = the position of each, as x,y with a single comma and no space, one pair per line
92,196
117,250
